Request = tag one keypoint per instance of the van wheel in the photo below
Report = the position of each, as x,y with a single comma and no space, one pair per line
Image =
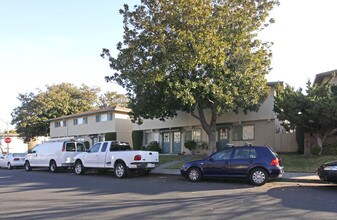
9,166
53,167
27,166
79,168
120,170
258,177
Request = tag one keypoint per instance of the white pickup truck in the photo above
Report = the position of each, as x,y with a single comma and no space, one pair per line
116,156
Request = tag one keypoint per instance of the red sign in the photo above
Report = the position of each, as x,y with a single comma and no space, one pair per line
8,140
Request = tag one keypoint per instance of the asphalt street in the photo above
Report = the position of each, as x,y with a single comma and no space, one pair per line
40,194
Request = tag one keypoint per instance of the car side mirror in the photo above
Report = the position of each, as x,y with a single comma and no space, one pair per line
211,159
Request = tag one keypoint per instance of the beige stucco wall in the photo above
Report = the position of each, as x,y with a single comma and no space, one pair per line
185,119
92,127
124,130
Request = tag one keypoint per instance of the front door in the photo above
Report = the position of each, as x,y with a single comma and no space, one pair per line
92,158
223,138
166,142
176,142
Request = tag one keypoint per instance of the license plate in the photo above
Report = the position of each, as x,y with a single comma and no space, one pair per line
150,165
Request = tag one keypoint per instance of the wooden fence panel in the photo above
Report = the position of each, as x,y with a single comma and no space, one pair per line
285,143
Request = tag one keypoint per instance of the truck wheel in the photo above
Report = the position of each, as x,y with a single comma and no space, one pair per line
27,166
79,168
53,167
120,170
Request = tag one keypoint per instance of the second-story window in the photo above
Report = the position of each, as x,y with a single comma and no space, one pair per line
79,121
104,117
60,123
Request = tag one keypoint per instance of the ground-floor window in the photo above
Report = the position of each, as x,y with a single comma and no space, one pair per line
196,135
243,132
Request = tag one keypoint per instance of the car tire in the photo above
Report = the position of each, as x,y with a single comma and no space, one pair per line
258,177
79,168
27,166
9,166
53,167
120,170
194,174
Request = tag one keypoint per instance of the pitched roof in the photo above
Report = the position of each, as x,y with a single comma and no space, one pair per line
117,108
320,77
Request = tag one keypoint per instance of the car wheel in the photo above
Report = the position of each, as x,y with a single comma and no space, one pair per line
27,166
79,168
258,176
9,166
194,174
53,167
120,170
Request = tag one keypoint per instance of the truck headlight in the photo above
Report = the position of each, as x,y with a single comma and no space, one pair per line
68,160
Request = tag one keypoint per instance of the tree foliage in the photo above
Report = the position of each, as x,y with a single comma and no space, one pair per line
191,56
31,117
112,99
316,111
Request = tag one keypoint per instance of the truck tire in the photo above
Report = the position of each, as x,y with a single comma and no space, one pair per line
27,166
53,166
79,168
120,170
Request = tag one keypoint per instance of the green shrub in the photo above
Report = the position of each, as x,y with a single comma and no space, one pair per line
191,145
153,146
203,145
330,149
315,150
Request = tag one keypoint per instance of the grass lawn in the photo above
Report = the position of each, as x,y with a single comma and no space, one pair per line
291,162
299,163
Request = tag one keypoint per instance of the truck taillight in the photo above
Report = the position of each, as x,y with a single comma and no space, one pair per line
275,162
138,157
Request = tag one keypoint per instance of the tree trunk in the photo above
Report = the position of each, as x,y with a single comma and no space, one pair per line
319,140
209,128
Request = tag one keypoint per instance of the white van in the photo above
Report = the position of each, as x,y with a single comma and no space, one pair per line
54,155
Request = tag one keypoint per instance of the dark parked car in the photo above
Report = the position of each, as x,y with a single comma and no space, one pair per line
328,172
259,164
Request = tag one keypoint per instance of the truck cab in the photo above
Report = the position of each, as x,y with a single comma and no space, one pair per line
116,156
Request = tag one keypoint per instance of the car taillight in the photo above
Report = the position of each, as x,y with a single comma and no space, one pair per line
275,162
137,157
16,159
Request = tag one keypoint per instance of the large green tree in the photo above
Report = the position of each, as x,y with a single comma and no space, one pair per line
315,110
31,116
196,56
112,99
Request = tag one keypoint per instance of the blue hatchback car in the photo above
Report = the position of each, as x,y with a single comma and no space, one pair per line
258,164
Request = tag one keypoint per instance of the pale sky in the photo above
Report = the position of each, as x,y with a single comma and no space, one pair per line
49,42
